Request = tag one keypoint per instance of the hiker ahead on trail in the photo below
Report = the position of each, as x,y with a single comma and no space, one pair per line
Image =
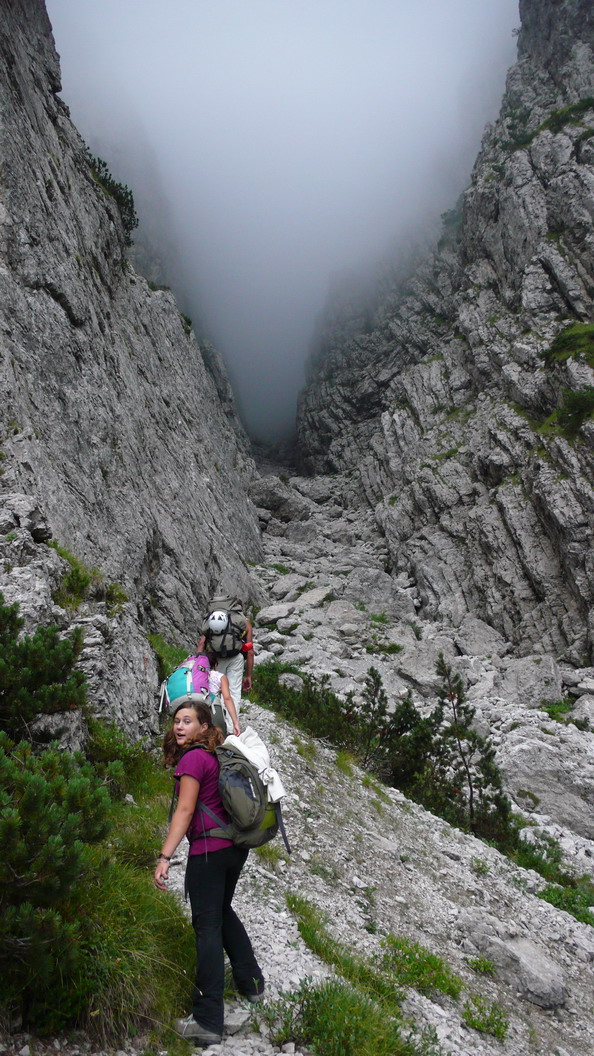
227,632
222,705
214,866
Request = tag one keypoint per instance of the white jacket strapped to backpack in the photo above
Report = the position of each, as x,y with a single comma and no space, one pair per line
250,744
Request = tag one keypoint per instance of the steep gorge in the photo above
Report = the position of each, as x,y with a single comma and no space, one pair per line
437,516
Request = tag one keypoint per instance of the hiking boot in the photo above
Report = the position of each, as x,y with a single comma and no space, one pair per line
189,1028
254,999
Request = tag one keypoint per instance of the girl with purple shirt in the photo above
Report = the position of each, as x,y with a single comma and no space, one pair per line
213,870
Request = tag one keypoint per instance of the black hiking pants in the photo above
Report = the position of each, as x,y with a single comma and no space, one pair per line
211,880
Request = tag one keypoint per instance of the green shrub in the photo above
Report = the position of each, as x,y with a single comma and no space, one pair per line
438,760
122,195
52,807
568,115
36,672
577,408
85,939
107,744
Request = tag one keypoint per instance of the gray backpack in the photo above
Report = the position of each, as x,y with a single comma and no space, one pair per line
229,640
254,819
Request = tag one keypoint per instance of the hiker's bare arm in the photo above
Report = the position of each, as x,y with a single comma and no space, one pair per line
230,705
201,644
249,658
189,788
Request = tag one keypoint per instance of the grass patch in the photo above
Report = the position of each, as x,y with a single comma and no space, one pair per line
577,901
555,122
574,342
576,408
481,965
329,873
488,1017
559,709
168,656
81,583
383,648
270,853
305,587
352,968
75,584
359,1015
414,965
344,763
307,751
334,1018
479,866
445,454
138,958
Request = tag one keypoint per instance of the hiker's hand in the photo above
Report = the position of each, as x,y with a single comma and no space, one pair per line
247,683
236,729
161,874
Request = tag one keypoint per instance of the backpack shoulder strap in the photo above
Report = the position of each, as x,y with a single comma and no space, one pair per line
190,748
222,832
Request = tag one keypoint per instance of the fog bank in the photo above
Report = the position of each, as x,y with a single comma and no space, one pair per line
272,143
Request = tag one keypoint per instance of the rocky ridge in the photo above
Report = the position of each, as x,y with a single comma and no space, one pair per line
114,416
438,406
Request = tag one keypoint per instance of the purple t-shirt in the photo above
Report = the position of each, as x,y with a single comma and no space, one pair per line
204,767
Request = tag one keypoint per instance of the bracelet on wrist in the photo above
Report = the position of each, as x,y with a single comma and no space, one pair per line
163,858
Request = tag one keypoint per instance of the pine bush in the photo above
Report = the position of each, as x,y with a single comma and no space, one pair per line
52,808
36,672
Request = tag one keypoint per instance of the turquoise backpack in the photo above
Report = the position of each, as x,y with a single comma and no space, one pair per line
188,684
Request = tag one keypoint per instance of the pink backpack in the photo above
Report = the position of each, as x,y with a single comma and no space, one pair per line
187,684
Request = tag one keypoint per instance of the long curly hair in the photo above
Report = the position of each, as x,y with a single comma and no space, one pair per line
211,738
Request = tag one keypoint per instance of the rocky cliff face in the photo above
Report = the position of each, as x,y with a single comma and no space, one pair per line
118,428
443,405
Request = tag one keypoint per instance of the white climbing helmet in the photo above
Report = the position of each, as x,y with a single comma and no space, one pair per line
218,622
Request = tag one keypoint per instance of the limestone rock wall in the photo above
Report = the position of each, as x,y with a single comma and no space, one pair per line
442,407
113,416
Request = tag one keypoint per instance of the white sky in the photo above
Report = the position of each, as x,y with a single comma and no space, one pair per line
290,139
